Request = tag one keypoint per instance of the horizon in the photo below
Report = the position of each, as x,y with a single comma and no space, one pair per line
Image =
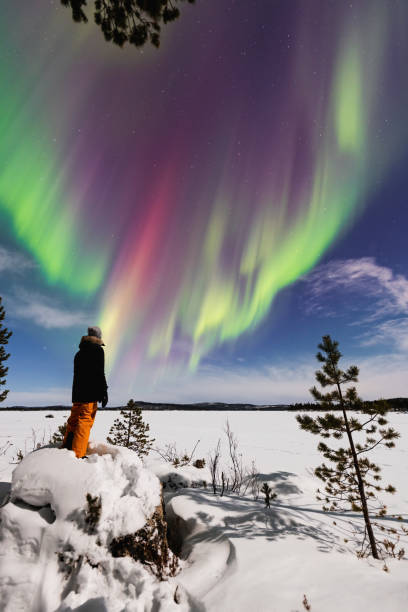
248,406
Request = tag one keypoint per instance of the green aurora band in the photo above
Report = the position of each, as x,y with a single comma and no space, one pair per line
36,203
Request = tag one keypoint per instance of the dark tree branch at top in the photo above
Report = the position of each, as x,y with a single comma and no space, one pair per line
132,21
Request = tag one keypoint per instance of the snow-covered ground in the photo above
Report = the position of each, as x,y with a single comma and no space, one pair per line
238,554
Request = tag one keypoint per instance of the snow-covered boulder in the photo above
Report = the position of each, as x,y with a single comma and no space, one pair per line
182,477
71,528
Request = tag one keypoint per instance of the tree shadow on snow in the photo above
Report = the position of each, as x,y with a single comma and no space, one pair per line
245,518
281,482
249,522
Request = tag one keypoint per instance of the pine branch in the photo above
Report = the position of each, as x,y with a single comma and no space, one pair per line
128,21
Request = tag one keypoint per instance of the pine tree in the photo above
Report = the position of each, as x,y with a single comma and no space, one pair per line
353,481
59,435
131,431
4,338
269,496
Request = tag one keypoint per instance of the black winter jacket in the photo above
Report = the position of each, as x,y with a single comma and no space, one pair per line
89,384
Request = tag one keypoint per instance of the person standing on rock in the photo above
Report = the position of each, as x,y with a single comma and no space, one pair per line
88,388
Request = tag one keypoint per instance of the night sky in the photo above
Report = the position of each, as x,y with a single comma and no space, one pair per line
216,205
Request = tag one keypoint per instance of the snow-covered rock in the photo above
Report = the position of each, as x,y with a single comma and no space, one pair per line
173,478
57,531
209,553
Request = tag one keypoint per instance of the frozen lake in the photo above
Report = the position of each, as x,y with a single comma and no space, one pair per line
272,439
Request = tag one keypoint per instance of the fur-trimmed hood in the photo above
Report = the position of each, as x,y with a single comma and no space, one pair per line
89,383
92,340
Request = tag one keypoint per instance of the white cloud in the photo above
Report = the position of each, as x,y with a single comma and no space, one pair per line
374,294
11,261
387,291
43,311
393,331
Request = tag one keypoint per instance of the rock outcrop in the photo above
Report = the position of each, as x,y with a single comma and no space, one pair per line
86,535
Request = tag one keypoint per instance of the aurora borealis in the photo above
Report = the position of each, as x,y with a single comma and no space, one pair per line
175,192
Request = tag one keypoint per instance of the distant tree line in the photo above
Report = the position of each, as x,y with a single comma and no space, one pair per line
396,404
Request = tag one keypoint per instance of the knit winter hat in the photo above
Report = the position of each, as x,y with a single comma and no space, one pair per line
94,330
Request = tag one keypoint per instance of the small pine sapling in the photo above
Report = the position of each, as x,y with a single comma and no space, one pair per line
352,481
5,335
59,435
269,496
19,457
131,431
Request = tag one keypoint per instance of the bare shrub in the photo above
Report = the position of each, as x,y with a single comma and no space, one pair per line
253,482
171,454
5,448
234,477
214,461
236,469
31,444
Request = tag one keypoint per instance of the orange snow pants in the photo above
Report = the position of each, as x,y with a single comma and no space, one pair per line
79,427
